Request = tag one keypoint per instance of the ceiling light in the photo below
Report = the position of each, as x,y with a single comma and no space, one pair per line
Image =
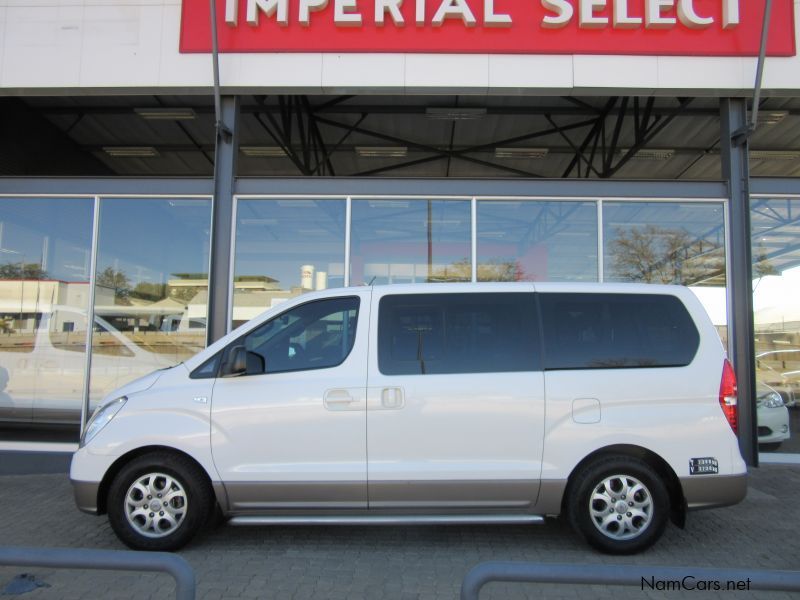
534,153
775,154
180,114
650,154
262,151
455,114
382,151
771,117
130,151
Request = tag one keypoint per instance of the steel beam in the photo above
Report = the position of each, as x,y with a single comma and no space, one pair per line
735,170
221,275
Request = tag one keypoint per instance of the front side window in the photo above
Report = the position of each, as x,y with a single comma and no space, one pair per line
315,335
427,334
612,331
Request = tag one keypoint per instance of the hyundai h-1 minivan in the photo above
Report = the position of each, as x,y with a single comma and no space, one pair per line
610,404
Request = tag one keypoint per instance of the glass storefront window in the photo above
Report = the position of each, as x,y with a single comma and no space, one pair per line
151,292
680,243
285,247
409,240
45,255
776,289
523,240
665,242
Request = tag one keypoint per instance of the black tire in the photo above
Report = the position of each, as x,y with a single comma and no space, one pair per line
621,531
181,494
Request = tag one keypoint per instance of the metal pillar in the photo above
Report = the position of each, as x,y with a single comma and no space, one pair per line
736,171
222,218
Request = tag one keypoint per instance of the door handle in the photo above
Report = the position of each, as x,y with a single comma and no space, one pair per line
338,400
342,400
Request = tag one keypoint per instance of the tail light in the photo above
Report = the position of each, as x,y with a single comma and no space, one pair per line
727,395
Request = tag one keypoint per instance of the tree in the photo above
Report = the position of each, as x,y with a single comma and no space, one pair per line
654,254
149,291
761,263
501,270
494,270
22,271
117,281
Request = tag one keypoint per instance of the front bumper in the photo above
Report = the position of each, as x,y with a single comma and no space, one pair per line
86,495
86,472
710,491
773,425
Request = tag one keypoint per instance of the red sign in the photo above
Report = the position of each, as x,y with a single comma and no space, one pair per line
633,27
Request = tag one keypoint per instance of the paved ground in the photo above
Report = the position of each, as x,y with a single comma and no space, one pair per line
413,563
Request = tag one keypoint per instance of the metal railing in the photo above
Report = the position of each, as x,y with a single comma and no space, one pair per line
649,578
107,560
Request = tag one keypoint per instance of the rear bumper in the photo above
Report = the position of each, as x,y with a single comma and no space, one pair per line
86,495
714,490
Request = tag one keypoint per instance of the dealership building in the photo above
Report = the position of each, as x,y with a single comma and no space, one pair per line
167,184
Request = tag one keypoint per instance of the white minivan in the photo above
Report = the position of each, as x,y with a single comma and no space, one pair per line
611,404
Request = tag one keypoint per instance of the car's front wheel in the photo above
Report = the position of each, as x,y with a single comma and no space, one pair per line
619,504
158,502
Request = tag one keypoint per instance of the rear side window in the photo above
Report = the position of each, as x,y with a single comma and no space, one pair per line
426,334
613,331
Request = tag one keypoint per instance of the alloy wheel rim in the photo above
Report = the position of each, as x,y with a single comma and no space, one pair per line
621,507
155,505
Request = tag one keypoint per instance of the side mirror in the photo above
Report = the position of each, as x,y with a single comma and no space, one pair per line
236,363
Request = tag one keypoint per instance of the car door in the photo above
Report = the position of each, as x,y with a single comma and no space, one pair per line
455,401
289,433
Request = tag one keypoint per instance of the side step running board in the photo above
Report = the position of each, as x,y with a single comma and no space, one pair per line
388,520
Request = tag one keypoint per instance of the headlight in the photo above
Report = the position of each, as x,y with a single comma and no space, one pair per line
101,417
770,400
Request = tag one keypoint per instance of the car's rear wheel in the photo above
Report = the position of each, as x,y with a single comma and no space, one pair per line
159,501
619,504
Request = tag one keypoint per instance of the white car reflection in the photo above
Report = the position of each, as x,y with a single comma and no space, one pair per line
42,371
772,417
779,370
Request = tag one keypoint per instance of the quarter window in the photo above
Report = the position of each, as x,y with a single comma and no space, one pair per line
608,331
426,334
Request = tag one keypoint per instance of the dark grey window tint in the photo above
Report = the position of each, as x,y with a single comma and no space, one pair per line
607,331
457,333
315,335
208,370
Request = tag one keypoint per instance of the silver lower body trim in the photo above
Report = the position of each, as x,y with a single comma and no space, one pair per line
387,520
86,495
712,491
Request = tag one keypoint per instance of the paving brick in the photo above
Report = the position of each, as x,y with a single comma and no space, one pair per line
394,563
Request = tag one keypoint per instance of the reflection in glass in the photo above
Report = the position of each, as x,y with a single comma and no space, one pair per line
151,290
410,241
45,251
680,243
537,241
314,335
665,242
284,248
775,223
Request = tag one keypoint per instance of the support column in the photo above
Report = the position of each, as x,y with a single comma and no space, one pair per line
736,171
225,154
